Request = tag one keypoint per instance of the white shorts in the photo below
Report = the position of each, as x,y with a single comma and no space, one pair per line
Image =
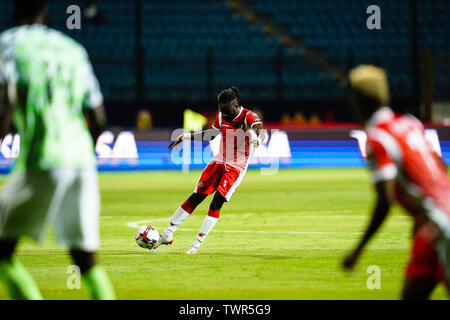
67,198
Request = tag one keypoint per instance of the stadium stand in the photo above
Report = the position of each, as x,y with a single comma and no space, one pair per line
189,49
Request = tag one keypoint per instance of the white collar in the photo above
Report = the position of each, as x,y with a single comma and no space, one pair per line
381,115
240,111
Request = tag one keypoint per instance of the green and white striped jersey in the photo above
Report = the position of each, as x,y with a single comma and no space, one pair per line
55,81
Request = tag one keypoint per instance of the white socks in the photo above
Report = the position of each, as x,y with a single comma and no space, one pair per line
208,225
178,217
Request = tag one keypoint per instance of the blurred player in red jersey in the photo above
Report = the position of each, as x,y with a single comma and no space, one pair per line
407,170
226,170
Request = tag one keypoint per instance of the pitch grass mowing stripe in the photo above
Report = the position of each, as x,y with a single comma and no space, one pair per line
273,232
137,224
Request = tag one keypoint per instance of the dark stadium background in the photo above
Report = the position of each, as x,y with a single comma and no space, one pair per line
286,56
155,59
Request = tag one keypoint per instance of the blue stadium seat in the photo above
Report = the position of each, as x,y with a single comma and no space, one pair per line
179,36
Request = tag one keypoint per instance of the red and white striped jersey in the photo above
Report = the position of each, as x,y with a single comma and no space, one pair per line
234,149
397,149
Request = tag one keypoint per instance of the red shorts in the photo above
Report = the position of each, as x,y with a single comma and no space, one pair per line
424,262
217,176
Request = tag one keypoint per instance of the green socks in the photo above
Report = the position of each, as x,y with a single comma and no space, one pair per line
21,285
18,281
100,287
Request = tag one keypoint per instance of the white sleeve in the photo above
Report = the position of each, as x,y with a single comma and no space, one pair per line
93,97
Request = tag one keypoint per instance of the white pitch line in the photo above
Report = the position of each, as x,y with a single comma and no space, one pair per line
137,224
315,212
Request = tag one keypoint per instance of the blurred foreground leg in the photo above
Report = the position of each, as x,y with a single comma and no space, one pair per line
18,282
96,279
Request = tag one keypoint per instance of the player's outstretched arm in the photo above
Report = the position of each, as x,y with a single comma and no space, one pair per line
96,118
260,134
5,111
205,135
385,198
441,161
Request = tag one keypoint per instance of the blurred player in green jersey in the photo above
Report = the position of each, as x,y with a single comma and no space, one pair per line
47,85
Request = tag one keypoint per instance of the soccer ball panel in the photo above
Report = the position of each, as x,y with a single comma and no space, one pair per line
146,236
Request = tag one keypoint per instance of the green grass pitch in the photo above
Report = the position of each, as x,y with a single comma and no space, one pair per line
281,237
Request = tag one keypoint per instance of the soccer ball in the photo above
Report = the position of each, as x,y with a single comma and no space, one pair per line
146,237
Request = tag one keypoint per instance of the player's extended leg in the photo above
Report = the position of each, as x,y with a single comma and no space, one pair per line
76,226
182,213
424,270
18,281
209,222
418,289
24,203
98,283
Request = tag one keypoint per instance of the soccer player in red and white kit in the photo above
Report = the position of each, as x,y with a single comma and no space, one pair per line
404,169
227,168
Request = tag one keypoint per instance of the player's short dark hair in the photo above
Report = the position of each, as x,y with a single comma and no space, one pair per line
229,95
28,9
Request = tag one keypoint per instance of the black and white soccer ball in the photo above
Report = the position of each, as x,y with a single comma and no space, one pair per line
147,237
